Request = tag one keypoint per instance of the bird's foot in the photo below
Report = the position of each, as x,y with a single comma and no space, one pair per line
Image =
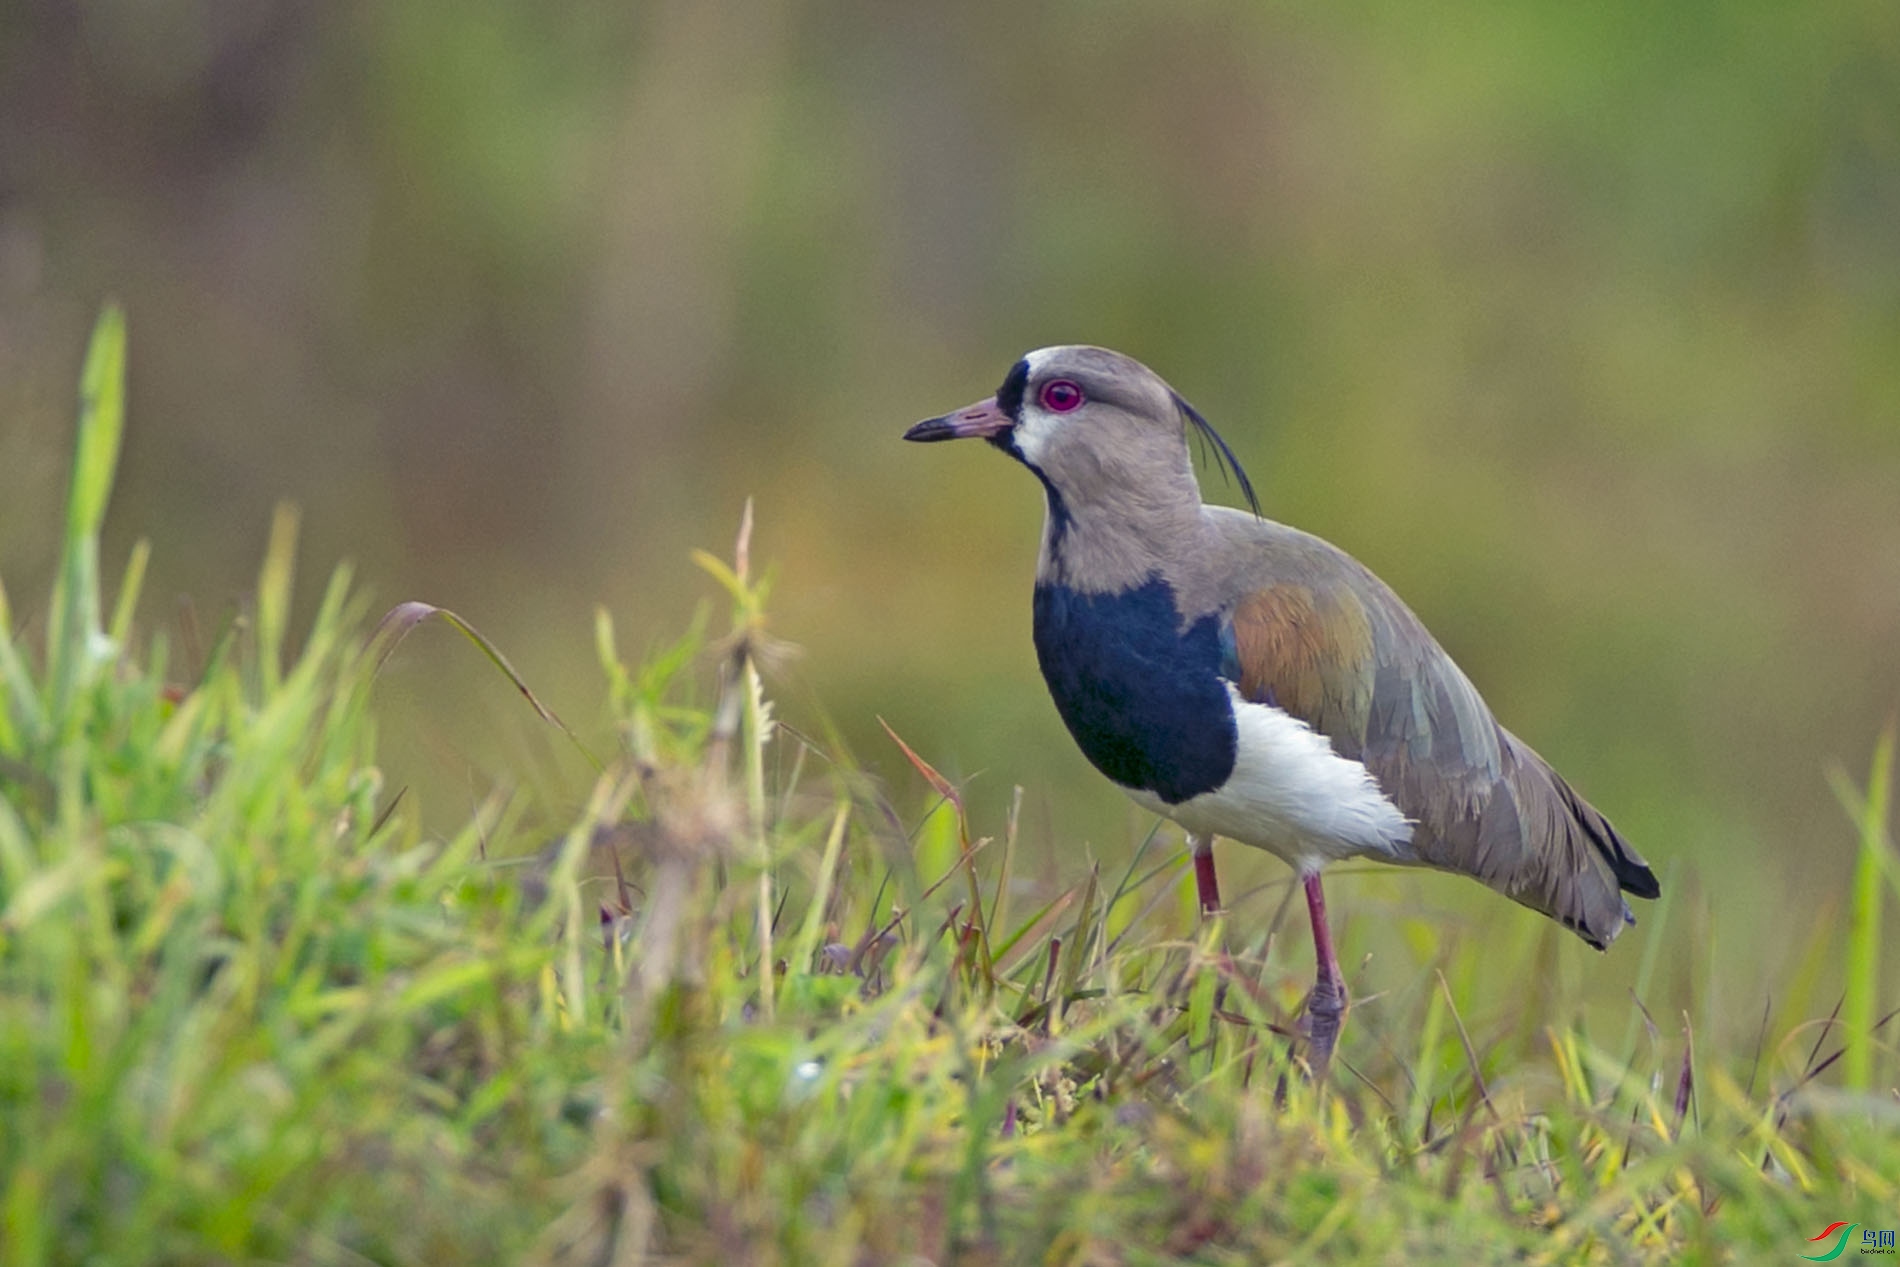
1325,1011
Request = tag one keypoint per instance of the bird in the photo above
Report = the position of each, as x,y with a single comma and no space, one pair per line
1251,681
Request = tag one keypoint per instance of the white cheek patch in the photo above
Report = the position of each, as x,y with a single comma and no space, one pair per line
1032,434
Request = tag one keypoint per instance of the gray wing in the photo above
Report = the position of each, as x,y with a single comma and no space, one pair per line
1310,630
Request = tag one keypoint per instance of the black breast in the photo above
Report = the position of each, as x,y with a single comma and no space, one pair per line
1143,698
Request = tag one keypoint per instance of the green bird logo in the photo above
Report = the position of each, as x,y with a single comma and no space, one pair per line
1845,1229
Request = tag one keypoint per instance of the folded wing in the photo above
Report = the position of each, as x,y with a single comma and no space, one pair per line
1316,634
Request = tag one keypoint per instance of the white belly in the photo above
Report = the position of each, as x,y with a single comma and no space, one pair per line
1292,795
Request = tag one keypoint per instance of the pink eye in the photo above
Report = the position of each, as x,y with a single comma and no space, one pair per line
1061,396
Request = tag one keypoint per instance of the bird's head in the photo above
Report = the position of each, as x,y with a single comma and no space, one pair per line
1097,427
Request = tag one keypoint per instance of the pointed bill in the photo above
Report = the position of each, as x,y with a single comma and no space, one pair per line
982,420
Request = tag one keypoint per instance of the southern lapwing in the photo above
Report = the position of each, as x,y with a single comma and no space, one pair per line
1249,680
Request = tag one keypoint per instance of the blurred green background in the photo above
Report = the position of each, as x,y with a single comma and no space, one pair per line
1580,324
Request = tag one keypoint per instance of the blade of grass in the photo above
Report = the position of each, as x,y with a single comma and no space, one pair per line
967,850
999,899
1078,948
1471,1053
1200,1010
22,716
1049,911
1863,923
1425,1079
73,631
129,588
274,582
401,620
1655,920
807,944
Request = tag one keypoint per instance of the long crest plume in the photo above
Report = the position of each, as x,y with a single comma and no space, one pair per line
1227,461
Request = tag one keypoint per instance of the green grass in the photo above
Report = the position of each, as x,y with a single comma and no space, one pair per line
748,1010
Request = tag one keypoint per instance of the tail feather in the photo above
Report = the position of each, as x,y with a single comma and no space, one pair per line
1526,833
1632,873
1581,865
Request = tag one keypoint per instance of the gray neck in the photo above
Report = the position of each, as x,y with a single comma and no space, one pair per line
1107,545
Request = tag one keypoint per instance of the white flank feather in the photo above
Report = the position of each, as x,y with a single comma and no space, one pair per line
1291,795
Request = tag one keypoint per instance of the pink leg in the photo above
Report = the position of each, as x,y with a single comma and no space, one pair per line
1326,1006
1205,881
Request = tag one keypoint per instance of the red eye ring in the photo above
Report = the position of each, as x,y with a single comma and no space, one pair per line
1061,396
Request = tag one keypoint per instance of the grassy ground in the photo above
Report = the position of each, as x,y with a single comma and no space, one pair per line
250,1013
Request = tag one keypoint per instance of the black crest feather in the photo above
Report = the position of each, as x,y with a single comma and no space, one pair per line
1227,461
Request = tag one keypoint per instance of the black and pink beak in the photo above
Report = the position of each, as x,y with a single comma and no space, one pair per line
984,420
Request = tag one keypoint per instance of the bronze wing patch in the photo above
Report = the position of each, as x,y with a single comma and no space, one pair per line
1311,657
